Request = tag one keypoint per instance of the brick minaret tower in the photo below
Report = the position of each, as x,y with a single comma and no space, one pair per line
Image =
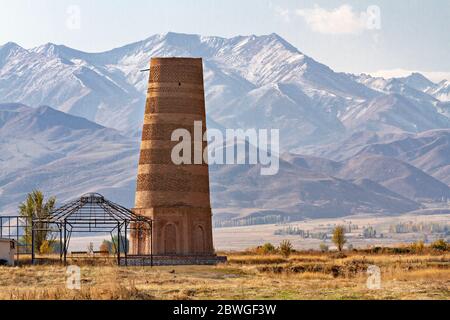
176,197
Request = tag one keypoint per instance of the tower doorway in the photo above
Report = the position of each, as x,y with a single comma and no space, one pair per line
170,239
199,240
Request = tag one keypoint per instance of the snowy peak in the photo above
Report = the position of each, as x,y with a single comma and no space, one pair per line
52,50
442,91
395,113
108,88
419,82
48,49
65,54
415,86
298,92
408,86
258,59
219,44
8,51
181,39
10,47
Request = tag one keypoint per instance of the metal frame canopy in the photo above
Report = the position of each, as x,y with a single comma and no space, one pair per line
92,213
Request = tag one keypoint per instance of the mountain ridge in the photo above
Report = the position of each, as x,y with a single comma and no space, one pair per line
251,82
87,157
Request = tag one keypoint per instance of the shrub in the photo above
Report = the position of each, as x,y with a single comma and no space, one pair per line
106,247
376,250
338,255
400,250
46,247
3,262
418,247
268,248
440,245
286,248
324,247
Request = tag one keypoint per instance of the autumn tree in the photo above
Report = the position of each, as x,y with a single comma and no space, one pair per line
339,237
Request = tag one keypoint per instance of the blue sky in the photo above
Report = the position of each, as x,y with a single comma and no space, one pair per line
407,35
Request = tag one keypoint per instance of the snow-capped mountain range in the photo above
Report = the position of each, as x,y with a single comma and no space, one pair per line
250,82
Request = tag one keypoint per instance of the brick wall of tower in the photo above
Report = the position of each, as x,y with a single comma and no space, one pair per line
175,196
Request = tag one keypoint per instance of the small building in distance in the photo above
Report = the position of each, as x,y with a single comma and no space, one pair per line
7,251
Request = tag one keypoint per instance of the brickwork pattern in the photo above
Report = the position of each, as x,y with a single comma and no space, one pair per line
175,197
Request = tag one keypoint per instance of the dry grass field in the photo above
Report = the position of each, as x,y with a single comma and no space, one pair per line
304,275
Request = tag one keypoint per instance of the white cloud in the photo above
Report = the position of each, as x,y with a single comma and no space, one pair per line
341,20
435,76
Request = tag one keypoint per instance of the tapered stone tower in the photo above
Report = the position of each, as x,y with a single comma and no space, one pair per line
176,197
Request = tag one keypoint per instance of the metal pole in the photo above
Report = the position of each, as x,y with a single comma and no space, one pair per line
60,244
17,239
126,244
151,243
32,242
65,242
118,244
